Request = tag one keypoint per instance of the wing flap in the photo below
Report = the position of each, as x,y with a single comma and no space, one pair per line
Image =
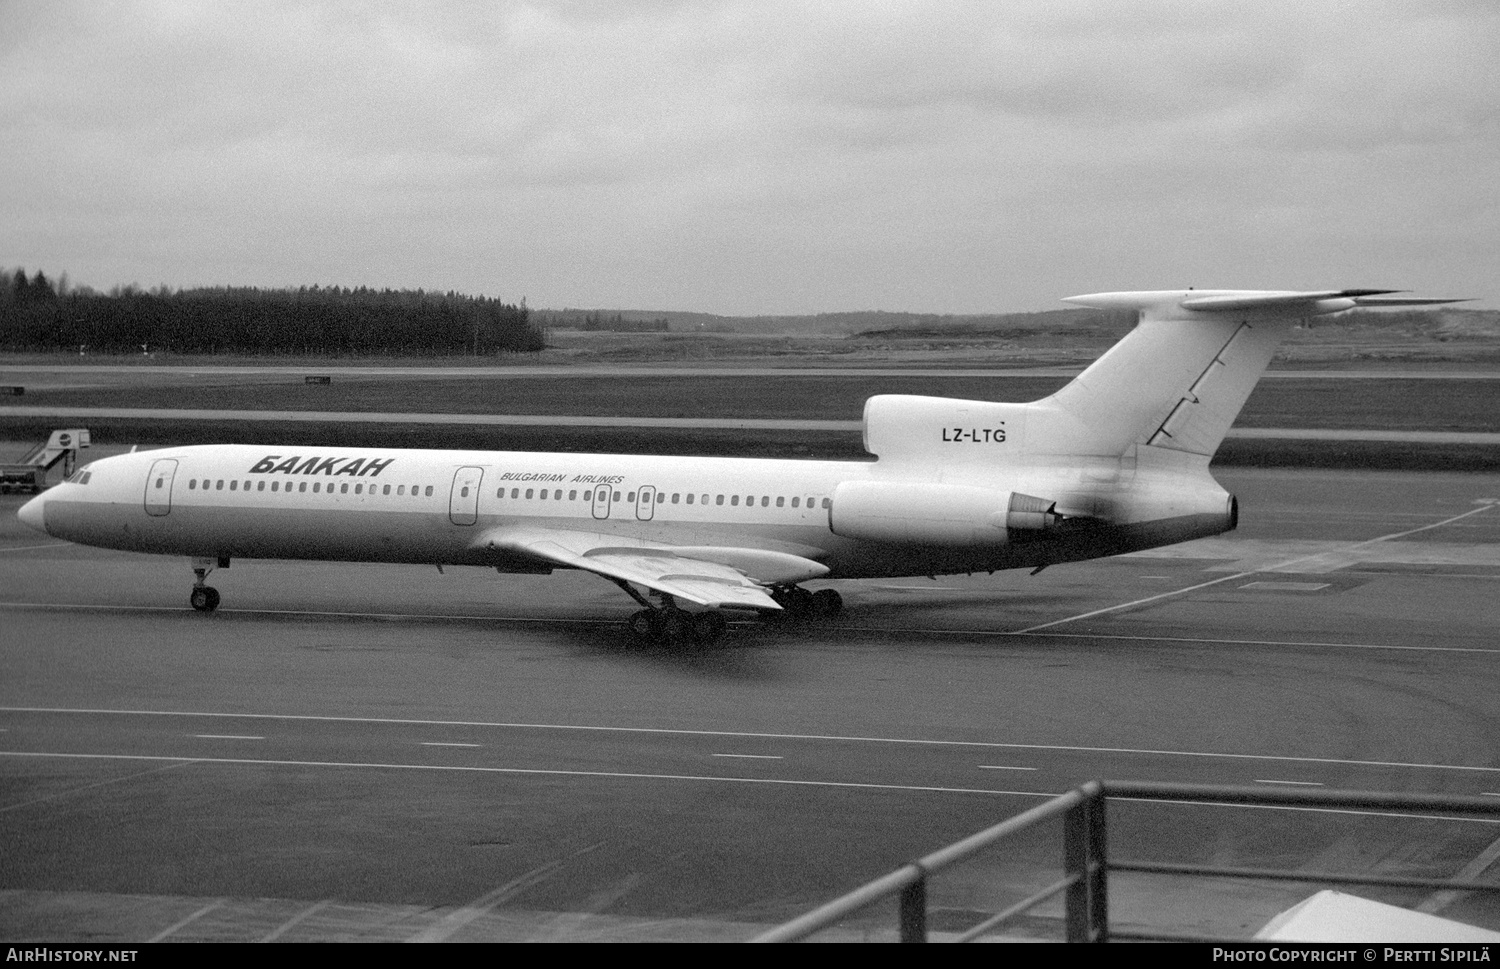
704,575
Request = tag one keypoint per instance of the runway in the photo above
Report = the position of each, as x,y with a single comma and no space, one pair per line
371,752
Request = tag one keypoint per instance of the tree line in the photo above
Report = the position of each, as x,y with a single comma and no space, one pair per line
595,320
40,315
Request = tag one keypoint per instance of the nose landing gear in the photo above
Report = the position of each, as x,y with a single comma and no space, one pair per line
205,598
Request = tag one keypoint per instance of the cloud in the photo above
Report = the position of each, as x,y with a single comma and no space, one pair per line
746,156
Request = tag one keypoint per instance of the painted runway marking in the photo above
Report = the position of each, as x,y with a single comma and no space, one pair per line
1287,586
451,923
1471,872
436,743
627,775
226,736
1285,566
310,613
584,621
86,787
752,756
529,771
165,933
1173,639
28,548
748,735
296,920
1004,767
1294,783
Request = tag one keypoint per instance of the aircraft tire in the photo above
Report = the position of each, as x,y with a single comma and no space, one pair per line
643,626
674,626
204,598
795,602
708,627
827,603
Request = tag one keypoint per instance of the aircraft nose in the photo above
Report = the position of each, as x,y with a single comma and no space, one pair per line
33,514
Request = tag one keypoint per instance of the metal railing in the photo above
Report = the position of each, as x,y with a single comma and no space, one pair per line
1084,884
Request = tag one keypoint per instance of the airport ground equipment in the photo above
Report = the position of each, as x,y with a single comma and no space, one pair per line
30,473
1087,864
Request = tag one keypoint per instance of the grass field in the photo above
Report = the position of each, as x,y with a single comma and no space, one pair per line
1401,404
1450,404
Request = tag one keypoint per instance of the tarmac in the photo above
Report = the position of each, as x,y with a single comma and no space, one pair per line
360,752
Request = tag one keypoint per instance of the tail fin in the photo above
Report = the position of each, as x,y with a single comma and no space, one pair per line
1179,379
1176,383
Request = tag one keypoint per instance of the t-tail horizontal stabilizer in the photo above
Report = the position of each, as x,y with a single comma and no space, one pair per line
1179,379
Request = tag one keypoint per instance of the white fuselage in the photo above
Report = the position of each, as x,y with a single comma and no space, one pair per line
430,506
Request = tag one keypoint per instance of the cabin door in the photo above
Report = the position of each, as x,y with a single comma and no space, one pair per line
645,503
601,501
159,486
463,502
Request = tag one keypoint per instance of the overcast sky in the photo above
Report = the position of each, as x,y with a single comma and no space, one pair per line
751,156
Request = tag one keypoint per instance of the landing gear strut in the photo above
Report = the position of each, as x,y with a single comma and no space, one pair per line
205,598
670,625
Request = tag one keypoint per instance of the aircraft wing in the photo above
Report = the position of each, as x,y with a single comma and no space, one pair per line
709,576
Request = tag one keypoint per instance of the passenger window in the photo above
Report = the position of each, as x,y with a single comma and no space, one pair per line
675,495
515,492
796,502
690,499
765,501
316,486
530,491
827,503
573,495
401,491
233,485
630,497
780,502
275,485
462,492
158,482
734,500
429,491
588,495
718,499
386,490
192,483
359,489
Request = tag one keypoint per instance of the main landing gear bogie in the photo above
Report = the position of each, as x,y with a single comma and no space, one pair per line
798,603
675,627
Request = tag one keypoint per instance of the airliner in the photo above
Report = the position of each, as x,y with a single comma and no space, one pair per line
1116,461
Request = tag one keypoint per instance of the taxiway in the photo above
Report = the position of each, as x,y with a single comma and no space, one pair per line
375,752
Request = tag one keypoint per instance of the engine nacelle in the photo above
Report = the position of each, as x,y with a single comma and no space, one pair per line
936,514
